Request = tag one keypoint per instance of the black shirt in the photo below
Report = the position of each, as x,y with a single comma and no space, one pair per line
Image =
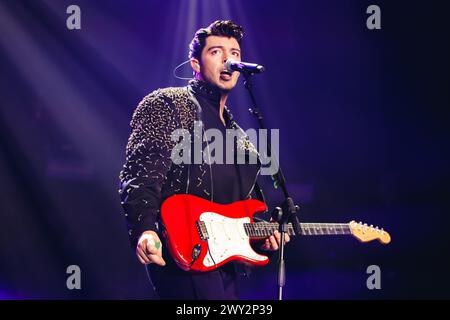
225,177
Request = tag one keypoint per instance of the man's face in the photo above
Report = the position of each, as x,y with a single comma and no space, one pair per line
216,51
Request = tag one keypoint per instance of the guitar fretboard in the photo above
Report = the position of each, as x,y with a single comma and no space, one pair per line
265,229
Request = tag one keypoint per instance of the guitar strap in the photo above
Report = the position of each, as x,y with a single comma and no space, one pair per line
259,193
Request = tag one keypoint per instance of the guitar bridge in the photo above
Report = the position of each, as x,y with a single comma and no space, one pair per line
201,228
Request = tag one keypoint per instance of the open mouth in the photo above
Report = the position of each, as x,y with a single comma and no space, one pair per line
225,75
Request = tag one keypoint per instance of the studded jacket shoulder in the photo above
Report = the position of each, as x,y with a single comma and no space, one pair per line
148,151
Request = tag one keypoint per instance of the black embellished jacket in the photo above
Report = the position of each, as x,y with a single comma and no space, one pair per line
149,175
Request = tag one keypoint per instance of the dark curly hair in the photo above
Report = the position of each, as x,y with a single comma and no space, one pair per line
224,28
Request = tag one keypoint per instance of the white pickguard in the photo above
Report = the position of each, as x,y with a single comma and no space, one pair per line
227,238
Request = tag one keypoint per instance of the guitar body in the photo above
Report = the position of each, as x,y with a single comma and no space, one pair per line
203,235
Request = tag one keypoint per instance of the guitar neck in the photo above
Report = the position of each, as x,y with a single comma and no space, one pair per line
265,229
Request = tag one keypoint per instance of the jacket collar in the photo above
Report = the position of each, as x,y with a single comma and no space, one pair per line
206,90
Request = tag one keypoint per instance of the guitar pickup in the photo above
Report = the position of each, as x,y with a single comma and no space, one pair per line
202,231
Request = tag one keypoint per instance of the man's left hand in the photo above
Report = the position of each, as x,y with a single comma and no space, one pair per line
272,243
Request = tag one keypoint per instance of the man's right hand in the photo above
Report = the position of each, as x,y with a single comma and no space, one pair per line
149,249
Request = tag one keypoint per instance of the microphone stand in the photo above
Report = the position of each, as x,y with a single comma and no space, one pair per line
288,210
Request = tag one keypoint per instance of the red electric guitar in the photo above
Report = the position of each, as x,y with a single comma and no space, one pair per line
203,235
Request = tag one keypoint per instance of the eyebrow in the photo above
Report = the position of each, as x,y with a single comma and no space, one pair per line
222,47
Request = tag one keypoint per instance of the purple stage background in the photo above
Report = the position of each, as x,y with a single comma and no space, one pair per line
363,130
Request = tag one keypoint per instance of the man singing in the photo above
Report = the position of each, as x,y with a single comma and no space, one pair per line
150,175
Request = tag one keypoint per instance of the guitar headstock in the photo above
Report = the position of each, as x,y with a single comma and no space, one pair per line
365,233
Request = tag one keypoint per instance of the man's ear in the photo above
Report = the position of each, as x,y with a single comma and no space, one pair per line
195,65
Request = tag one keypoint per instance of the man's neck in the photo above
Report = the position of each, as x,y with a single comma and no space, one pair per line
223,99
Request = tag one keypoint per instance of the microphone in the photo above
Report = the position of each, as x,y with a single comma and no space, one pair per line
243,67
